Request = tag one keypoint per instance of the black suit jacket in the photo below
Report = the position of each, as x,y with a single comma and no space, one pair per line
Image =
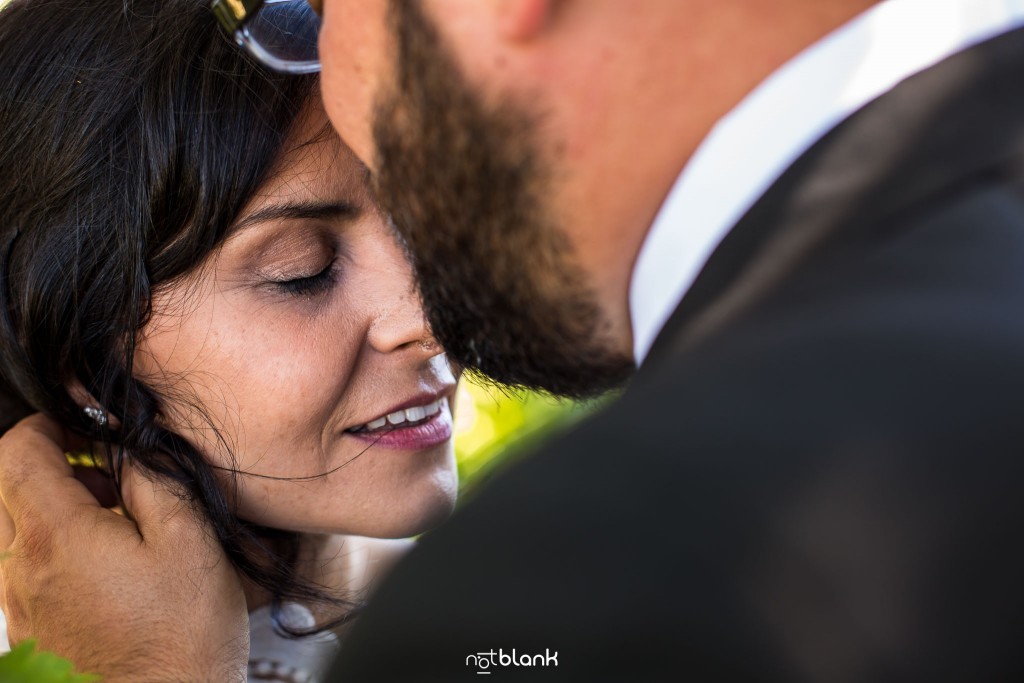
818,475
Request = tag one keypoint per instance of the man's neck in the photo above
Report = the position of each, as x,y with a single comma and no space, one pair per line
783,117
692,64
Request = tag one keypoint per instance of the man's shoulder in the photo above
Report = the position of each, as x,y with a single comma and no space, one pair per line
865,415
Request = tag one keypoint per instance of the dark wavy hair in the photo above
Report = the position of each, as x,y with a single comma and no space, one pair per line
132,133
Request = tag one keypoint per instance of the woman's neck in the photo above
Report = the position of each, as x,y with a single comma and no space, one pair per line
317,563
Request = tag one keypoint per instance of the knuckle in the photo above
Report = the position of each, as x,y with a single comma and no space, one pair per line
34,543
14,471
183,523
14,442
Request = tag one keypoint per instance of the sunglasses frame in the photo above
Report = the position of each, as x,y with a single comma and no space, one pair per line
233,15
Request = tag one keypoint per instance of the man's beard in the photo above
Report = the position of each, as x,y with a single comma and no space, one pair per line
465,187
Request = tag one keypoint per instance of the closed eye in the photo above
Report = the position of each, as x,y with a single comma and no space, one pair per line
310,285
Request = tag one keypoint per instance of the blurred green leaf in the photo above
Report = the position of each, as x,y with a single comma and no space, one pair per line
24,665
494,426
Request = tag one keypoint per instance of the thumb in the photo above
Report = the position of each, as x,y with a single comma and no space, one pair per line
158,508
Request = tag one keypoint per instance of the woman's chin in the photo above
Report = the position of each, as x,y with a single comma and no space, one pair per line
426,517
423,507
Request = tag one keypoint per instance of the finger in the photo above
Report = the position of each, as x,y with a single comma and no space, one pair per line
3,597
158,511
35,477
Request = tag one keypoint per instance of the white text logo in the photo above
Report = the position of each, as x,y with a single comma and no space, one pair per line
486,661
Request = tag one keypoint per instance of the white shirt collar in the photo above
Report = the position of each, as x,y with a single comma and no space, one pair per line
782,118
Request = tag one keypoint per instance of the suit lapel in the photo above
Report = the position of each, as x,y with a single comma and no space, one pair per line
936,130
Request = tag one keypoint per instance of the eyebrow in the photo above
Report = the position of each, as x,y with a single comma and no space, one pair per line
302,211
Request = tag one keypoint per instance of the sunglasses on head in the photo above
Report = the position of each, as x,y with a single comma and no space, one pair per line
281,34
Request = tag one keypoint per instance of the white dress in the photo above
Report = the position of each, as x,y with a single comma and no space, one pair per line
278,659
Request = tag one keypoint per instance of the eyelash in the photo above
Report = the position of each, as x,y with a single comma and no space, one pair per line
312,285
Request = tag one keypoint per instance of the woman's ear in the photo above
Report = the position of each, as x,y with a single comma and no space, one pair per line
90,406
521,20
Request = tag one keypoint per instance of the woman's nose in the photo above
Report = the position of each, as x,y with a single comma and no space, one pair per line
403,327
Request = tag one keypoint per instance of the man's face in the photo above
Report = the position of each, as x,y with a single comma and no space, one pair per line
468,189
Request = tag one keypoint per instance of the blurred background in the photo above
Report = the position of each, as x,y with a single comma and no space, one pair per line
495,426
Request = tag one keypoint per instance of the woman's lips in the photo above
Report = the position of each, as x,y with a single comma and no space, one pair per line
410,412
412,434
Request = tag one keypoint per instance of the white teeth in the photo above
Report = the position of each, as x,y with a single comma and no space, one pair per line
414,414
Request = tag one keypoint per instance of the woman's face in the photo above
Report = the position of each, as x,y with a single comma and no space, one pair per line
302,340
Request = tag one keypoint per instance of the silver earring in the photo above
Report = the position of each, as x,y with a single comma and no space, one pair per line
97,415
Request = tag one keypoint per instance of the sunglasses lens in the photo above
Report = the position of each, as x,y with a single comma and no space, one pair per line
287,32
